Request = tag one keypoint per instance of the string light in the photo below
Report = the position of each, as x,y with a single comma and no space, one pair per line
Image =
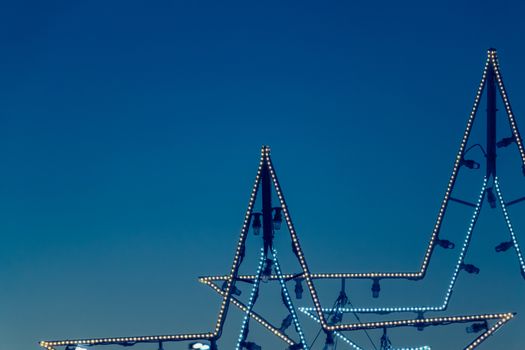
453,279
263,322
357,347
227,295
417,322
127,340
295,240
432,321
513,125
255,291
289,302
509,226
308,276
434,236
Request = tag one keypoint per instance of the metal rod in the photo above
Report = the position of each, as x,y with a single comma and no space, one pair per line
267,208
463,202
491,122
515,201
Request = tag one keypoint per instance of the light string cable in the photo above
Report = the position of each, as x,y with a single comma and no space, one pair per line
435,231
258,318
508,108
474,344
509,226
356,315
435,321
330,313
289,303
455,171
502,320
237,259
50,345
349,342
459,264
337,309
295,241
251,302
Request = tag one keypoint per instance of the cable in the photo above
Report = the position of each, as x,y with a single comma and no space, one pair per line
476,145
318,333
366,332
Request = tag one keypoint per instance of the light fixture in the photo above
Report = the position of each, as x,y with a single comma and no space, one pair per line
477,327
329,343
288,303
336,317
445,243
385,342
376,288
504,246
491,198
235,290
286,323
256,225
469,163
342,299
267,271
506,141
248,345
340,303
470,268
198,346
277,218
298,288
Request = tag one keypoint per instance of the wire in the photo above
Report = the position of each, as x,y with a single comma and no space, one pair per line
317,336
476,145
359,320
318,333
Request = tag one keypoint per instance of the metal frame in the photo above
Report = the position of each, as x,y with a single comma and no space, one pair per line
268,176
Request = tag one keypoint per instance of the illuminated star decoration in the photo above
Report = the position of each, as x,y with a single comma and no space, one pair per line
226,291
227,297
501,318
492,70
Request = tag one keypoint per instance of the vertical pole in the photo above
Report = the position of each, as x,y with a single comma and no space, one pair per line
267,208
491,122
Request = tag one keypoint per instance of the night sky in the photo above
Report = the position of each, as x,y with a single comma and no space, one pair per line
130,135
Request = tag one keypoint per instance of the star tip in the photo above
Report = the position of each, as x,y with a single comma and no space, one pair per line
265,149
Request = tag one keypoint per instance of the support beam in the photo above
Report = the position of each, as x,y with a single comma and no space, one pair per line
491,122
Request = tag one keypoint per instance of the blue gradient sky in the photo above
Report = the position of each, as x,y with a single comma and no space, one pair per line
130,136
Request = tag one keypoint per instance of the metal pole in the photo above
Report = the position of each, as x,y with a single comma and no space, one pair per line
491,122
267,208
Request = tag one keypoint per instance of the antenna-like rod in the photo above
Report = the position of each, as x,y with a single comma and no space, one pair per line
491,121
267,208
